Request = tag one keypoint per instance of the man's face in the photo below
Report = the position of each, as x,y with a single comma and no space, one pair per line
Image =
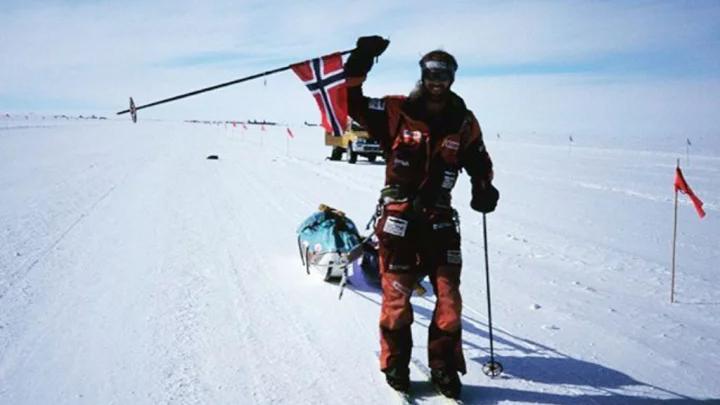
437,82
436,88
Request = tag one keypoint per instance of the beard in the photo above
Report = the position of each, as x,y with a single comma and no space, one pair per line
435,92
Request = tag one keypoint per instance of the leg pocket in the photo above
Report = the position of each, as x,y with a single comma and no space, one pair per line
396,234
444,244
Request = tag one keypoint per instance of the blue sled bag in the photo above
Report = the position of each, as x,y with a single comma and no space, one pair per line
329,242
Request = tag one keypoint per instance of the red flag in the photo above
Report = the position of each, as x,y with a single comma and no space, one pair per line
234,124
262,128
325,79
290,134
244,126
682,186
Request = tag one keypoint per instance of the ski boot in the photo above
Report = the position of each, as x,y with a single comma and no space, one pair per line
447,382
398,379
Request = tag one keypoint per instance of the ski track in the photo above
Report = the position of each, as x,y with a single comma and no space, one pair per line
27,292
183,290
14,277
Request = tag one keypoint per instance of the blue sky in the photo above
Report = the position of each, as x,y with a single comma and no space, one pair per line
635,67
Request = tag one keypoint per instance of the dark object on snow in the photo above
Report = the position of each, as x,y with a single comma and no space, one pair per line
213,157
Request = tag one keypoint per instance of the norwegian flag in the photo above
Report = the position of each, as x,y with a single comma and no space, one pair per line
325,79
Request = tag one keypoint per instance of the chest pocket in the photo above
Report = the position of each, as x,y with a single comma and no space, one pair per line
410,153
450,150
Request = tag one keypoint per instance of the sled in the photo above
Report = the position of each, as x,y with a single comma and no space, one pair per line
328,242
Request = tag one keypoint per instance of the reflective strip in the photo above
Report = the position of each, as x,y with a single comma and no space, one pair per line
401,288
454,257
449,180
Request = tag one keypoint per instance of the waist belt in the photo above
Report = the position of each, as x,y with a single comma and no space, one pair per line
420,204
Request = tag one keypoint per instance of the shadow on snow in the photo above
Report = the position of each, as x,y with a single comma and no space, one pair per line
531,362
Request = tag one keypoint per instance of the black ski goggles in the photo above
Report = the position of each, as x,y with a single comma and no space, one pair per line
437,75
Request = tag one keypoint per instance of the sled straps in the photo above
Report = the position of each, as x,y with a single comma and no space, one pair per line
339,216
330,210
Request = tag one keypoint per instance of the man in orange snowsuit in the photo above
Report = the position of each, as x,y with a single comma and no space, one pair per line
427,137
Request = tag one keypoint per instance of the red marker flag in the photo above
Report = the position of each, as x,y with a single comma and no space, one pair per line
290,134
682,186
325,78
244,126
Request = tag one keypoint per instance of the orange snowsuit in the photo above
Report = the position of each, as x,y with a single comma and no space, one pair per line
417,227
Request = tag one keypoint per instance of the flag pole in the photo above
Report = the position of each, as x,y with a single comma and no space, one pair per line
672,283
217,86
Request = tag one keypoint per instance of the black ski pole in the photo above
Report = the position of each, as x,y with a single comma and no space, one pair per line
492,368
215,87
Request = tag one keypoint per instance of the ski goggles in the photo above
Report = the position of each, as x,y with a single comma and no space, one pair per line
437,71
437,75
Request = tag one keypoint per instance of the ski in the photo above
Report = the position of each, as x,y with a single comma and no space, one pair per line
422,369
403,398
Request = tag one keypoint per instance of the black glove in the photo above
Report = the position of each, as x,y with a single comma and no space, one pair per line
484,197
361,58
372,46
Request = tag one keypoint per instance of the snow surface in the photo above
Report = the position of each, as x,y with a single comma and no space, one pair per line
135,271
